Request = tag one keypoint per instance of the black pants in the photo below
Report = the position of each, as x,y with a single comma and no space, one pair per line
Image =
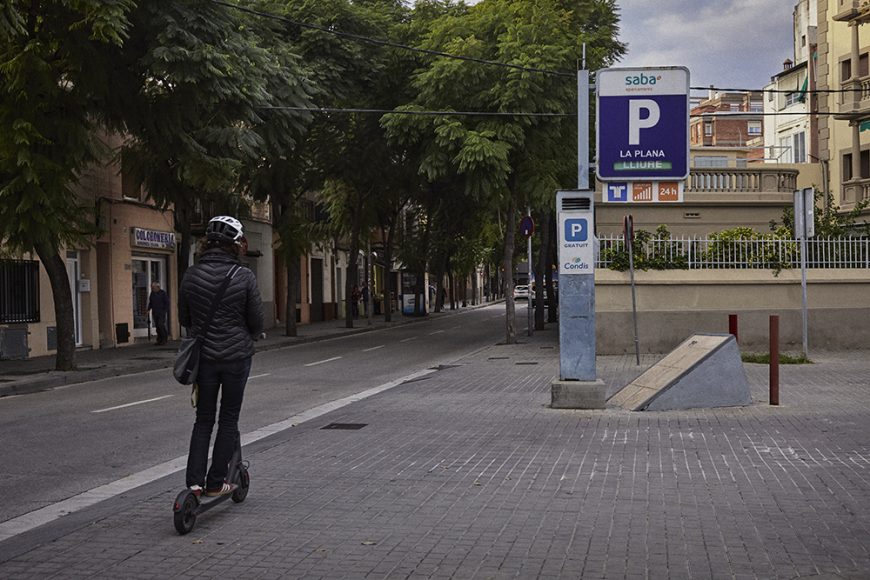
160,327
227,378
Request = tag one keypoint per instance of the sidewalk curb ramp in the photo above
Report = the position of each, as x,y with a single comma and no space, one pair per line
704,371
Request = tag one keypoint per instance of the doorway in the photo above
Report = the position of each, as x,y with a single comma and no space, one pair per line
145,272
73,270
316,290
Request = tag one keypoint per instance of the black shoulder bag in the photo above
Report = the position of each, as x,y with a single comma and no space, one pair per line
187,359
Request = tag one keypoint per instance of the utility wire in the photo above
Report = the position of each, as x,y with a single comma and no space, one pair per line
419,113
737,114
381,42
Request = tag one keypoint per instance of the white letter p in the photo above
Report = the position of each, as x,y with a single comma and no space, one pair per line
635,123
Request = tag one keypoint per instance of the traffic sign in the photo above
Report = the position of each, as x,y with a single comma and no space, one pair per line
527,226
642,124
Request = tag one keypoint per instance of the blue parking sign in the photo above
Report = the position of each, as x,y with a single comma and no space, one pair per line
643,124
576,230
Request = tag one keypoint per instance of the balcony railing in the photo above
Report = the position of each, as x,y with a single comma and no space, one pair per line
742,180
847,9
855,191
856,96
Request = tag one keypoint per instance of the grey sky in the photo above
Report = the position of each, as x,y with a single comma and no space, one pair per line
727,43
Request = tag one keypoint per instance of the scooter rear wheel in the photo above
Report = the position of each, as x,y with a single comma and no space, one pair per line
185,512
244,482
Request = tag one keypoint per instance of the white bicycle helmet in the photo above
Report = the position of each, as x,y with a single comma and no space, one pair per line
224,229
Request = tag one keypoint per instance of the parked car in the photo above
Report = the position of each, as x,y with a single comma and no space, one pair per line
521,292
533,297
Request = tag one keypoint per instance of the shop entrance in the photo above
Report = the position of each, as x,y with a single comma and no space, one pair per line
145,271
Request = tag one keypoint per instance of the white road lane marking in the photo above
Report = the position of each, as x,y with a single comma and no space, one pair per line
373,348
320,362
408,339
436,332
34,519
258,376
132,404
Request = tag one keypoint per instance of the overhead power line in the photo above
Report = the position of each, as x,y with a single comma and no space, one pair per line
737,114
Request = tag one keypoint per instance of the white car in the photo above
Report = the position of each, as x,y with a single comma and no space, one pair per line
521,292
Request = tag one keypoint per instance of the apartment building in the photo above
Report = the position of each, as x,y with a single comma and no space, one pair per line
844,113
728,119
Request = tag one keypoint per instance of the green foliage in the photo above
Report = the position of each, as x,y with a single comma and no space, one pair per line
784,358
743,247
661,255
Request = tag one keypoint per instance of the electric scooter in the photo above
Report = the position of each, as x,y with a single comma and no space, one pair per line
188,505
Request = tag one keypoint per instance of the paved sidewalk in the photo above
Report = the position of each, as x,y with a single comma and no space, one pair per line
27,376
467,473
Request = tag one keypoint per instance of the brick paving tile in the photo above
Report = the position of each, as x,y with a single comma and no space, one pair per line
469,474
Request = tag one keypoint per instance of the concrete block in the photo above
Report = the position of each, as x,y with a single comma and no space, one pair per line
577,394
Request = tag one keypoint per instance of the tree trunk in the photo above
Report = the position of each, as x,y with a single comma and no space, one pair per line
293,274
540,272
352,262
474,300
182,224
508,265
387,306
55,267
552,309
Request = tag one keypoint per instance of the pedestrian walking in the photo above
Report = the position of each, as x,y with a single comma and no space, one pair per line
365,300
227,349
158,306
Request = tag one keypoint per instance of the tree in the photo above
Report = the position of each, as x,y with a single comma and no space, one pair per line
53,97
515,160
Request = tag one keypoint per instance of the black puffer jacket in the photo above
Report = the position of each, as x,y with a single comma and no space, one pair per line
239,318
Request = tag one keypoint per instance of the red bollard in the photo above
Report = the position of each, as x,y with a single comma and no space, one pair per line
774,359
732,326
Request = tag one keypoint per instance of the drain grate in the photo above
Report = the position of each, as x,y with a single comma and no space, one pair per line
345,426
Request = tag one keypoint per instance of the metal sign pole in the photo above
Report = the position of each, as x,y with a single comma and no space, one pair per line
529,298
629,242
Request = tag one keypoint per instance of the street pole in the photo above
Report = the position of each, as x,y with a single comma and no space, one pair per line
370,303
529,299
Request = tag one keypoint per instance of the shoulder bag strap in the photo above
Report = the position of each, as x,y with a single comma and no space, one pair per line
217,299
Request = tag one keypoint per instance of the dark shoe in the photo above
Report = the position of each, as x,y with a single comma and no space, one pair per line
225,489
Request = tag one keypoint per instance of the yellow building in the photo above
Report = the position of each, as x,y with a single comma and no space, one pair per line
844,121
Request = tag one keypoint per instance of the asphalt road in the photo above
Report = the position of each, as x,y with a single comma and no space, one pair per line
63,442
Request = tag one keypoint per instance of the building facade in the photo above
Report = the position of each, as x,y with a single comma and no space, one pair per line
844,105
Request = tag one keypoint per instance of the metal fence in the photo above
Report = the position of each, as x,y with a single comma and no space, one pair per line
708,253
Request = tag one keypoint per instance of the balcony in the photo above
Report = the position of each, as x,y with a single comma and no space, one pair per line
857,11
855,102
742,180
855,191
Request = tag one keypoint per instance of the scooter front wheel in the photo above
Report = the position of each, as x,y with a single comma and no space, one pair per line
244,482
185,512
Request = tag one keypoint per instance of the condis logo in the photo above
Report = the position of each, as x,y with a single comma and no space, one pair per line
641,79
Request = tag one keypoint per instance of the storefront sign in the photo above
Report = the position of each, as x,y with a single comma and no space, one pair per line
143,238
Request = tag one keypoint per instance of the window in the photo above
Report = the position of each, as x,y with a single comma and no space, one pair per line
862,65
734,107
753,128
803,39
756,107
708,128
792,98
845,70
847,166
19,291
784,155
800,147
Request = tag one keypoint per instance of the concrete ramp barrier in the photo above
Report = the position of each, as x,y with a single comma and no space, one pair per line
704,371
